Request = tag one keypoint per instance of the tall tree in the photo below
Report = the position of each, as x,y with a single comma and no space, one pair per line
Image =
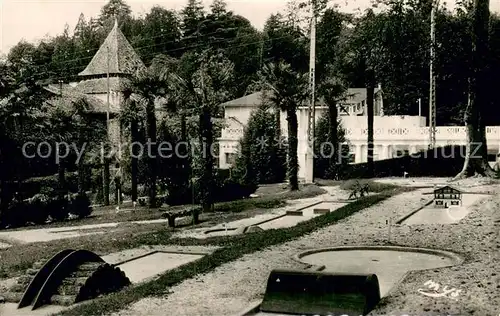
192,17
210,82
161,33
476,159
115,8
285,42
288,90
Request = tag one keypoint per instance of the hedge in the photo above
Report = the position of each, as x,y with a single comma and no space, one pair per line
40,207
47,185
234,247
444,161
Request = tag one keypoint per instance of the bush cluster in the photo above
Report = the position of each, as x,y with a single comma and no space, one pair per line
40,208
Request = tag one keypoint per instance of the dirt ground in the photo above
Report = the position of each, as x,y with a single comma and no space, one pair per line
238,285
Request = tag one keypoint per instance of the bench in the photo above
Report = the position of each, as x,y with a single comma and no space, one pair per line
171,215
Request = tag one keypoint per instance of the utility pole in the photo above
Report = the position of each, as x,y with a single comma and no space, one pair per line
311,110
432,87
419,107
105,161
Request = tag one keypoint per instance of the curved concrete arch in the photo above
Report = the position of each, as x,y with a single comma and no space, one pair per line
67,265
38,281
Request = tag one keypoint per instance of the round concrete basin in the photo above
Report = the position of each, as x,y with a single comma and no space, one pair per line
390,264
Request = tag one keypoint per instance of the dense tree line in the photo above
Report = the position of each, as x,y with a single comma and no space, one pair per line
398,40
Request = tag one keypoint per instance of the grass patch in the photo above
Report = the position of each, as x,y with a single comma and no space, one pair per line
235,247
373,186
269,201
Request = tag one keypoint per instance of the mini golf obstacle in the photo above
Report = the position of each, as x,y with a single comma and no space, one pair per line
302,292
288,219
69,277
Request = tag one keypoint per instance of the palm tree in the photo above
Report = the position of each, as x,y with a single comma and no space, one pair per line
333,90
207,87
288,90
131,114
148,87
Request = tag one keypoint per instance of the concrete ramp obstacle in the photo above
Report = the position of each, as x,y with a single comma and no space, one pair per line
321,210
320,293
69,277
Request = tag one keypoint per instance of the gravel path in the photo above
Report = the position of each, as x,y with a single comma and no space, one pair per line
235,286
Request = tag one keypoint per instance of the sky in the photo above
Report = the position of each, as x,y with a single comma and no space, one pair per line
32,20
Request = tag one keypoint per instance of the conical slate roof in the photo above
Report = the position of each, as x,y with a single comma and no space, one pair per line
122,57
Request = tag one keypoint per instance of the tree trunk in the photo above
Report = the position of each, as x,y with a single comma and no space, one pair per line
105,179
186,165
476,157
134,130
277,117
293,164
370,91
152,154
81,176
61,170
206,141
333,139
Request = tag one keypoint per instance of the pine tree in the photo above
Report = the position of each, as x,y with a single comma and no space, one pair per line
80,26
192,17
218,8
262,158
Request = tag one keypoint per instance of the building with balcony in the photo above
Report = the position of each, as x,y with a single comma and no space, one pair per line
393,135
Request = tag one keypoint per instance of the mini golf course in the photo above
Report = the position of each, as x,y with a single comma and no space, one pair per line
432,215
74,276
287,219
344,280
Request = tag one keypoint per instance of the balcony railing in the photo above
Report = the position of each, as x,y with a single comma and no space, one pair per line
456,133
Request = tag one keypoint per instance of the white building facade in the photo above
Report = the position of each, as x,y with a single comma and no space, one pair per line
393,135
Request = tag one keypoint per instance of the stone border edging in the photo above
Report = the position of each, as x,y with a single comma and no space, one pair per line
195,253
405,217
265,221
457,259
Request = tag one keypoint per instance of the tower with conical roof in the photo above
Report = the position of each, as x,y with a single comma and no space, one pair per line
115,57
110,69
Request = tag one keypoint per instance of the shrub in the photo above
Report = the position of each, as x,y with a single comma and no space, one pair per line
58,208
36,210
326,166
262,157
80,205
373,186
20,213
32,186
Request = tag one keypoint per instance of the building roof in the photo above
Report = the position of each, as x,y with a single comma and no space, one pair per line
122,57
70,95
357,95
99,85
447,187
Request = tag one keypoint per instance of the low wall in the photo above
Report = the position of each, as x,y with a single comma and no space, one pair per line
439,162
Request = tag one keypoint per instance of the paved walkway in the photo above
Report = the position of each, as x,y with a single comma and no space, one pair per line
48,234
